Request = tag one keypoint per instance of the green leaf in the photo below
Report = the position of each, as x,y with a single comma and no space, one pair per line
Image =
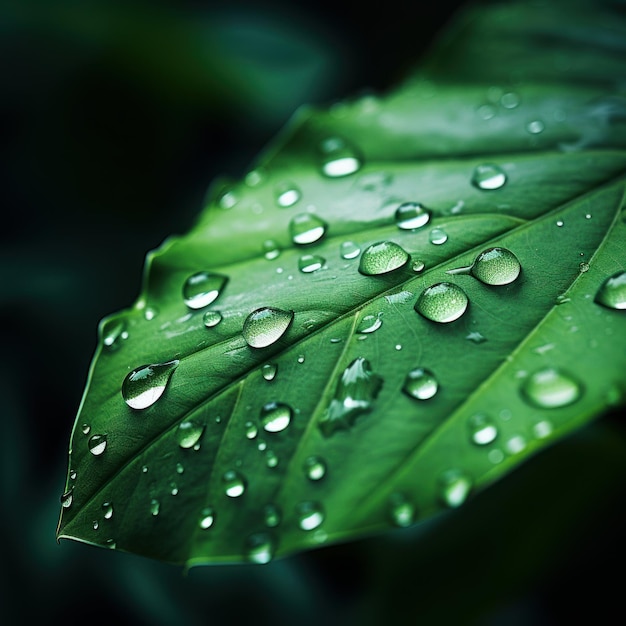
283,391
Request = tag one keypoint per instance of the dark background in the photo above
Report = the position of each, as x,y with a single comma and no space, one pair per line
115,117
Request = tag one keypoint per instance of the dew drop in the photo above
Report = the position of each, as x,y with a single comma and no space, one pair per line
73,474
268,371
369,324
418,266
438,236
180,468
542,429
270,249
207,518
402,511
212,318
310,515
271,515
455,487
349,250
107,509
95,524
67,498
488,177
265,326
275,416
202,288
482,430
300,359
150,312
85,428
287,194
382,257
338,158
308,263
442,302
411,215
145,385
535,127
475,337
306,228
551,388
493,266
188,433
612,292
271,459
251,430
515,444
510,100
314,468
155,507
113,332
354,395
259,548
559,223
420,384
97,444
234,484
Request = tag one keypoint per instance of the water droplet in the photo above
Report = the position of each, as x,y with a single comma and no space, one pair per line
402,511
107,509
73,474
369,324
493,266
411,215
95,524
355,394
113,332
207,517
97,444
234,483
438,236
111,544
85,428
482,430
180,468
310,515
455,487
254,177
559,223
300,359
287,194
542,429
212,318
535,127
155,507
144,469
271,459
265,326
251,430
442,302
67,498
145,385
259,548
551,388
271,515
515,444
269,370
349,250
486,111
510,100
475,337
308,263
314,468
275,416
227,199
418,266
188,433
495,456
583,267
271,250
420,384
202,288
173,488
338,158
488,176
306,228
150,312
382,257
612,292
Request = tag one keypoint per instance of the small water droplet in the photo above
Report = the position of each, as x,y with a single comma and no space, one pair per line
402,511
382,257
515,444
188,433
270,249
73,474
310,515
67,498
562,299
85,428
486,111
488,177
111,544
97,444
438,236
180,468
207,517
173,489
510,100
455,488
268,371
150,312
418,266
338,158
271,515
271,459
265,326
107,509
144,469
95,524
113,332
300,359
551,388
354,395
612,292
482,429
559,223
275,416
212,318
306,228
145,385
227,199
254,177
369,324
412,215
495,456
308,263
155,507
420,384
234,484
259,548
287,194
583,267
203,288
475,337
314,468
251,430
542,429
535,127
442,303
349,250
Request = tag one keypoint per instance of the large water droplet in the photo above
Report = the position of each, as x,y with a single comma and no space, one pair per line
287,194
310,263
113,332
275,416
612,292
355,394
551,388
207,517
269,371
234,484
97,444
306,228
420,384
349,250
488,176
265,326
271,515
382,257
338,158
442,302
259,548
145,385
310,515
369,324
212,318
202,288
411,215
455,487
314,468
482,430
188,433
493,266
402,511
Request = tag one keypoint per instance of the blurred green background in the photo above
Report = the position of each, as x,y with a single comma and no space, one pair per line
116,116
